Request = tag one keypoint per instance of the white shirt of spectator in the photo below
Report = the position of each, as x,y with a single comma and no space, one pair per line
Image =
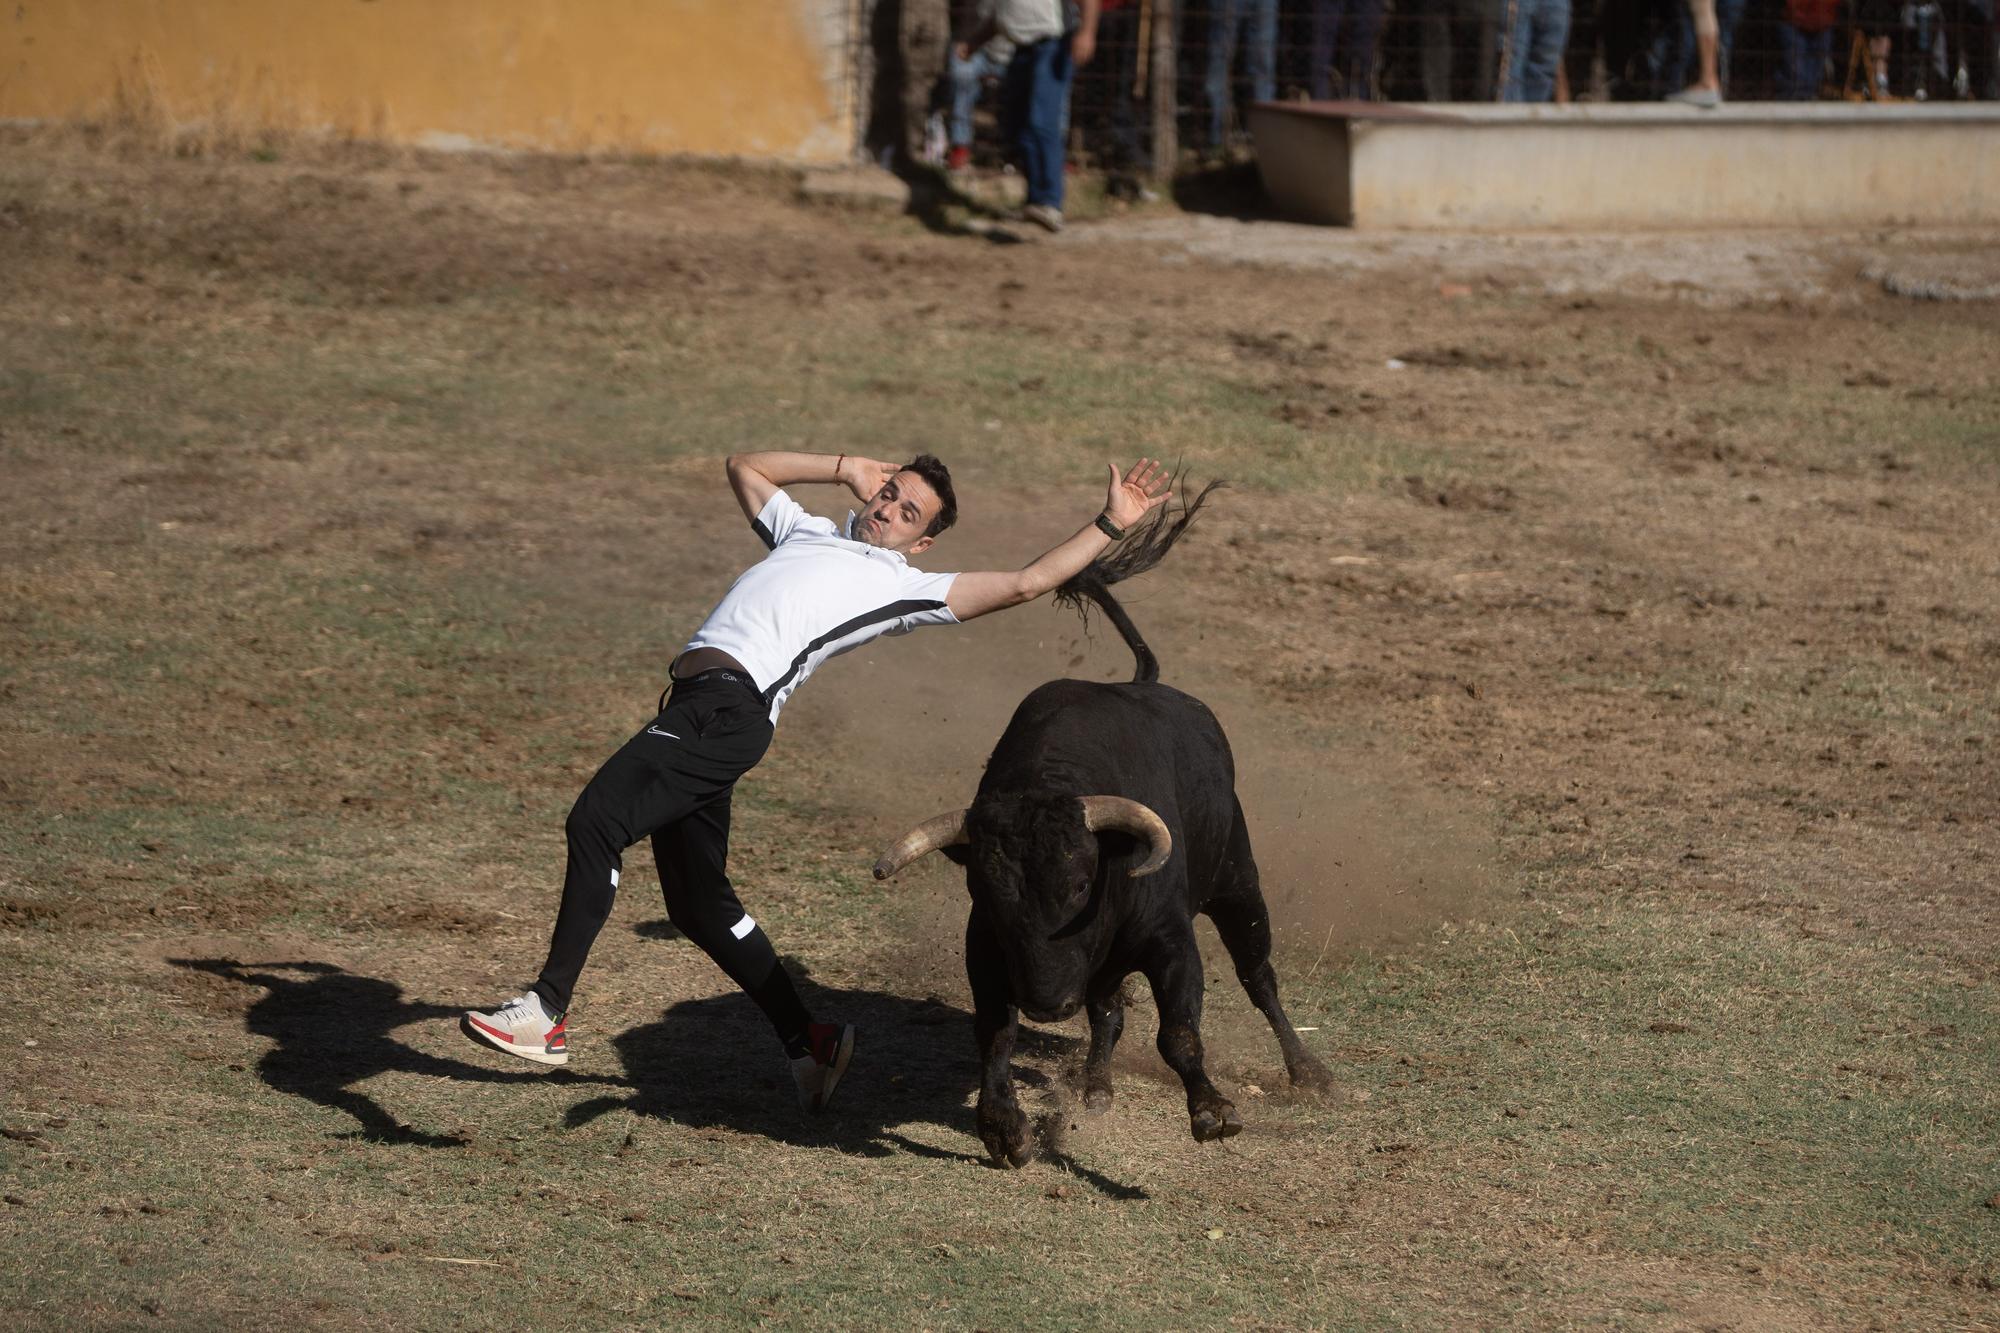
816,595
1024,21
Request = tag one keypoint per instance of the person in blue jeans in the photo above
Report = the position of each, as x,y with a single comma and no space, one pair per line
1536,35
969,74
1034,93
1805,40
1229,17
1361,21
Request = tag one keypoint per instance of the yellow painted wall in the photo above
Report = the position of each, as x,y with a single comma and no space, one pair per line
748,77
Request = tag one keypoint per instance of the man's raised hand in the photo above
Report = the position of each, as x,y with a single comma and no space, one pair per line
865,476
1132,495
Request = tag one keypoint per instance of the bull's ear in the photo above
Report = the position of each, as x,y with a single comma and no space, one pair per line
959,854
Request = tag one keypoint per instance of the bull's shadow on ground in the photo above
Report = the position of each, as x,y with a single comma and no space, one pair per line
713,1063
710,1062
333,1029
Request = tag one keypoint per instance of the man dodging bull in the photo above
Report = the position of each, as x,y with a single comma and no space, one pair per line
822,590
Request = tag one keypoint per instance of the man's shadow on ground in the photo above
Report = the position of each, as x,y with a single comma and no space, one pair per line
710,1062
332,1029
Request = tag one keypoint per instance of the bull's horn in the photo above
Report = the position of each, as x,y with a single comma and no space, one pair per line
946,830
1128,816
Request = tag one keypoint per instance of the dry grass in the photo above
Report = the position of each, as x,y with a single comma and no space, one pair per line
1619,756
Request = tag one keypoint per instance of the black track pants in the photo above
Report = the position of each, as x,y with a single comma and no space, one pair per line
672,782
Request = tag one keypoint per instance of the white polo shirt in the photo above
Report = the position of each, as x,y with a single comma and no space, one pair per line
816,595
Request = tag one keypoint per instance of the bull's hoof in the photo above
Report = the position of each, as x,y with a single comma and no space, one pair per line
1309,1075
1097,1096
1215,1122
1005,1134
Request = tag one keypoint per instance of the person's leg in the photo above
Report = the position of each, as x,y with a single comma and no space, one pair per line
1728,13
1485,18
1325,27
1623,26
1521,18
1436,55
966,76
1790,77
1545,48
1676,45
1015,86
658,777
1982,51
1364,40
692,855
1221,56
1707,44
1118,47
1264,49
1048,115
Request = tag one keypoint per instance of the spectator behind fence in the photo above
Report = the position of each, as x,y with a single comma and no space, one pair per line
1536,35
1706,90
1227,21
1805,39
1973,38
1035,90
1122,146
1877,20
1461,49
1679,62
969,72
1345,34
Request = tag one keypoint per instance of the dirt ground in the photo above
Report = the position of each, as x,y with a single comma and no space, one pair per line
1607,628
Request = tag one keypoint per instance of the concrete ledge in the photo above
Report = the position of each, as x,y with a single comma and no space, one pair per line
1460,166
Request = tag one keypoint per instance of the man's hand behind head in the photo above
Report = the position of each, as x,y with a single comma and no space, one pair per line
865,476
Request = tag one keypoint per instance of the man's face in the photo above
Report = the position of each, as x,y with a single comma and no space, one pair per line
895,518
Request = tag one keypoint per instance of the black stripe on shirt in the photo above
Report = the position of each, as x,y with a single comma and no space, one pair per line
893,611
763,534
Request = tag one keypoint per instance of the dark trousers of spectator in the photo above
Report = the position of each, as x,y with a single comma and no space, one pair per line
1034,108
1972,37
1461,55
1257,21
1118,63
1801,63
1626,27
1350,31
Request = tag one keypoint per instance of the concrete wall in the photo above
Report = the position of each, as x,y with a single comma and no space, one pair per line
757,78
1624,166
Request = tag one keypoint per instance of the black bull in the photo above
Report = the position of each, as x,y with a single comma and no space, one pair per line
1090,786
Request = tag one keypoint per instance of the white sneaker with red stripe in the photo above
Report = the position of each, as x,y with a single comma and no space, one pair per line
521,1027
829,1046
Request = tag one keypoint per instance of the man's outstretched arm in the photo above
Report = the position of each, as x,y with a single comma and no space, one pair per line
756,477
1129,499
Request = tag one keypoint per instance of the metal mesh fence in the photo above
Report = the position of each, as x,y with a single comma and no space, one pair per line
911,88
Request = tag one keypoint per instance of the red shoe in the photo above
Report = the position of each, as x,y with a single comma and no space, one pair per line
959,158
818,1071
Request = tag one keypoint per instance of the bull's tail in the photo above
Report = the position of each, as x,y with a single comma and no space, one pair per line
1145,546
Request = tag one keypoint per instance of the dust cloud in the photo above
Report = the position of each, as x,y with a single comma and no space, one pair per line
1354,851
